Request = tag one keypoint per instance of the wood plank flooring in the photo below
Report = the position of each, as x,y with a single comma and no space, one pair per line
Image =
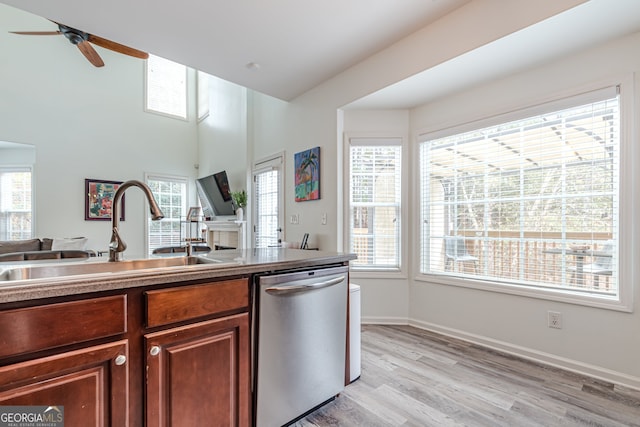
412,377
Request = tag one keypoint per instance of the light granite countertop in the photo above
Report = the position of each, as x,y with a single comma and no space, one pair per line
225,263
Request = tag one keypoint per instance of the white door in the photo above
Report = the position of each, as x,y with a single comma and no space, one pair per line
268,194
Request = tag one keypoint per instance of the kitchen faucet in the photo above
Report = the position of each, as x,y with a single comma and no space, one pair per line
117,245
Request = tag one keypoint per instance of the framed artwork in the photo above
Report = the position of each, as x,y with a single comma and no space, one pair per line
98,197
307,174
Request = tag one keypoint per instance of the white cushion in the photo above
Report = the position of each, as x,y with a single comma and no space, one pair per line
78,243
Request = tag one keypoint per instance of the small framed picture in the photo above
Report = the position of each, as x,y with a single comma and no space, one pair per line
98,198
193,214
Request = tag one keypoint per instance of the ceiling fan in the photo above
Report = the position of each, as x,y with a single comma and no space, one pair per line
83,40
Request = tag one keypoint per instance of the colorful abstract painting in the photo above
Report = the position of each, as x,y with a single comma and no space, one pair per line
307,168
98,199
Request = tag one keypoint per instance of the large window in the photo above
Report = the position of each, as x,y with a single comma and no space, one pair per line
15,204
166,87
171,195
532,202
375,177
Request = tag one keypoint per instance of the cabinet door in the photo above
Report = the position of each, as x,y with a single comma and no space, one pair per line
199,374
91,384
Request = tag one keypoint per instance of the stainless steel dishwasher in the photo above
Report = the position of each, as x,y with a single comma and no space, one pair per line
299,343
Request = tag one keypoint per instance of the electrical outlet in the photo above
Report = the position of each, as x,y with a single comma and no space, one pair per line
324,218
554,319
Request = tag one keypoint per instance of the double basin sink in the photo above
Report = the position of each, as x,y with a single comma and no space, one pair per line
44,271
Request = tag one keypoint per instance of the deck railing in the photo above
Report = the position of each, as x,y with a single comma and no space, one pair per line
530,257
510,256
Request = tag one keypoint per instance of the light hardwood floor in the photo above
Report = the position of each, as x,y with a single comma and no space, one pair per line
412,377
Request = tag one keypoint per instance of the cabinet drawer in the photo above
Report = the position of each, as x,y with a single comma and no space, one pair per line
172,305
32,329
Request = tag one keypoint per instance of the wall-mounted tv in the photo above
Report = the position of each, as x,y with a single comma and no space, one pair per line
215,196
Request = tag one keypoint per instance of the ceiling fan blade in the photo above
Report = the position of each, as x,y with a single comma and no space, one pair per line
90,53
117,47
36,33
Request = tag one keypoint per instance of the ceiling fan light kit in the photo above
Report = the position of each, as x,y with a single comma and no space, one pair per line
83,41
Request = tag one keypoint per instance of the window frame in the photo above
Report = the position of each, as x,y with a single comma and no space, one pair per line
623,301
380,137
30,169
148,109
203,93
164,177
269,163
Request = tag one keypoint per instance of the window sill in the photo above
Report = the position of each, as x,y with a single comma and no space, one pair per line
566,296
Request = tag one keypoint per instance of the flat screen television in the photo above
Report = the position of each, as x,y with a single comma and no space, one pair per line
215,197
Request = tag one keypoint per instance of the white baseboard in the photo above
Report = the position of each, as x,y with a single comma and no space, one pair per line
384,321
530,354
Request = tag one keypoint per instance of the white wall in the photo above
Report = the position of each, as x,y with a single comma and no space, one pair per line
596,341
12,154
222,135
313,119
600,342
85,122
512,323
385,299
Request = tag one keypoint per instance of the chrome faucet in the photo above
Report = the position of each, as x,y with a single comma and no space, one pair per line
116,245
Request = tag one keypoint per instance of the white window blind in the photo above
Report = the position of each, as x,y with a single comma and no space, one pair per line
15,204
171,195
166,87
532,201
267,180
266,228
375,177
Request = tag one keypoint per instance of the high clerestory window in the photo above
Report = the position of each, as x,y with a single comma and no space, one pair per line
166,87
532,202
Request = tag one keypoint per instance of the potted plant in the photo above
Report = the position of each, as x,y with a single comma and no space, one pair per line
240,202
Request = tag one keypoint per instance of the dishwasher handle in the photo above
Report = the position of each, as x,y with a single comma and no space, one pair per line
279,290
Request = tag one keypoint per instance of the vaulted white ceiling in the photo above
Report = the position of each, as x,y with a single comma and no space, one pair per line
296,45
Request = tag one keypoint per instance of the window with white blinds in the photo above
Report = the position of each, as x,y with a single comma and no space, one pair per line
15,204
532,202
171,195
375,179
166,87
267,184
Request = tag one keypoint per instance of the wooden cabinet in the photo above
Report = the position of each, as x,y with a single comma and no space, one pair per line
176,354
91,384
199,374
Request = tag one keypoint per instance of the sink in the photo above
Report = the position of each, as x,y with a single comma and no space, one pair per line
60,270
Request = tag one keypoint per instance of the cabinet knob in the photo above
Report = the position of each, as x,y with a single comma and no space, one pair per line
155,350
121,360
